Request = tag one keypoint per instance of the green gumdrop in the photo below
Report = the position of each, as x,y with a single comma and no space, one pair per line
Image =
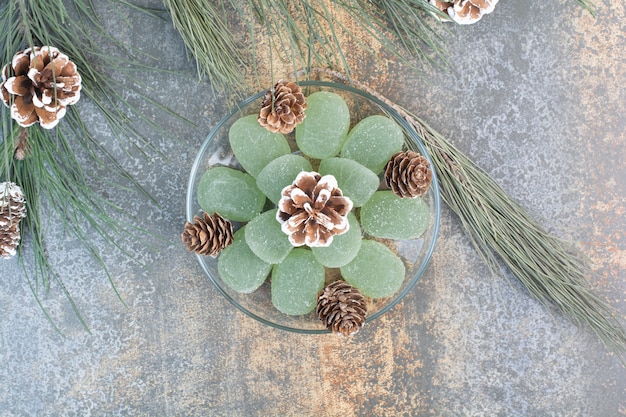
266,239
388,216
231,193
239,267
354,180
373,141
344,247
296,282
254,146
376,271
325,126
280,173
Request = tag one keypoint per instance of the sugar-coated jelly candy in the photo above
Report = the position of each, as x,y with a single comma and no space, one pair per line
231,193
354,180
296,282
344,247
325,126
239,267
254,146
373,141
280,173
386,215
376,271
266,239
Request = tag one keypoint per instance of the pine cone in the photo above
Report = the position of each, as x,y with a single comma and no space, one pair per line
38,85
312,210
12,211
465,12
283,107
408,174
342,308
208,235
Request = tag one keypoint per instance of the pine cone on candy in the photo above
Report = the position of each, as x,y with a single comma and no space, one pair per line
208,235
408,174
12,211
313,209
282,107
465,12
38,84
342,308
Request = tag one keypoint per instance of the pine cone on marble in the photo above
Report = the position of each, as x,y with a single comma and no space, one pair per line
408,174
465,12
12,211
342,308
313,209
208,235
283,107
38,84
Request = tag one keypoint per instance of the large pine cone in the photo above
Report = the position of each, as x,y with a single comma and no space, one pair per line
283,107
208,235
342,308
38,85
313,209
465,12
408,174
12,211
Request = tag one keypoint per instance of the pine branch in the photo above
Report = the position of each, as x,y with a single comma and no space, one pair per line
552,271
45,163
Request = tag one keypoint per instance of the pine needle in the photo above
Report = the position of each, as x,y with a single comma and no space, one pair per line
202,26
588,5
552,270
304,33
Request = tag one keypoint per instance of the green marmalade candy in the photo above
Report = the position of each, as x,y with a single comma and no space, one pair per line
231,193
376,271
239,267
325,126
296,282
254,146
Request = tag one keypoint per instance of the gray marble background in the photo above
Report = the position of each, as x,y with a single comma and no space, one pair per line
535,95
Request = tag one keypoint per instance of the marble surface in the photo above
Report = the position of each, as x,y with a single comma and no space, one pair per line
535,94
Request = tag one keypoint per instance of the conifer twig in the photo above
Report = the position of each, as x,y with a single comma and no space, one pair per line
552,271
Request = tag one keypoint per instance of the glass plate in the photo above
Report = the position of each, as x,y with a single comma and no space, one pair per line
215,151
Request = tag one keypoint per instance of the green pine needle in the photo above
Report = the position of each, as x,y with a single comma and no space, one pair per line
588,5
203,28
307,33
304,33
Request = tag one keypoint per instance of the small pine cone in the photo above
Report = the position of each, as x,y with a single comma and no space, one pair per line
342,308
38,85
465,12
208,235
408,174
313,209
12,211
283,107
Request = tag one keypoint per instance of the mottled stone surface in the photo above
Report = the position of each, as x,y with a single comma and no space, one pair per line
535,94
